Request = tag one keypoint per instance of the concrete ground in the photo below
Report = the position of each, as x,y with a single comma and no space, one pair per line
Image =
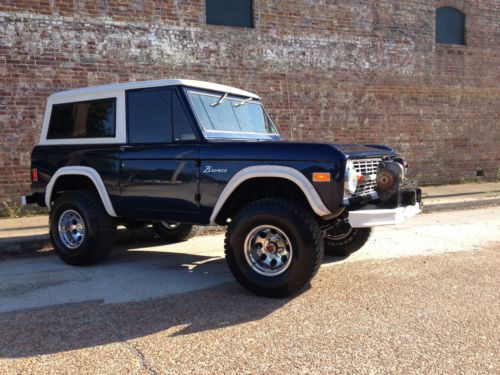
420,297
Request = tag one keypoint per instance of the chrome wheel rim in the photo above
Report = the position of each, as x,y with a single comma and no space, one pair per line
170,225
71,229
268,250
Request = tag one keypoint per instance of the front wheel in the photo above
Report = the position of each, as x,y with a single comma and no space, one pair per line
273,247
343,240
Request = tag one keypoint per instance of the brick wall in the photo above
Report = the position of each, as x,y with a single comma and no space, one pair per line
363,71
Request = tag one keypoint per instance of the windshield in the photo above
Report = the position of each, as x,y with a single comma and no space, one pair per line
220,115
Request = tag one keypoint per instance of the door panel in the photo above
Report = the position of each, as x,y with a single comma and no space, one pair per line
159,182
158,174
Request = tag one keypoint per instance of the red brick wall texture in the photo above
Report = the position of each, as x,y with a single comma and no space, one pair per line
364,71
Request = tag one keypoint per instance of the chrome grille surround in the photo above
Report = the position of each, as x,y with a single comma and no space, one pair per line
367,168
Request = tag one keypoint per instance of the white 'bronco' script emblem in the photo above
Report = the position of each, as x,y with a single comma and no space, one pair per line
209,169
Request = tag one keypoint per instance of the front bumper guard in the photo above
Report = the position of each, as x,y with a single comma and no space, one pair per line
384,216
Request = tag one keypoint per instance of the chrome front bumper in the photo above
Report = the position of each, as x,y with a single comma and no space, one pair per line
377,217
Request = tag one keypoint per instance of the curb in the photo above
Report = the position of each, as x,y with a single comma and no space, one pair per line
27,244
20,245
467,205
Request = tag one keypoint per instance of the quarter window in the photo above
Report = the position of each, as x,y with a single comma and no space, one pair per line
183,130
450,26
230,12
89,119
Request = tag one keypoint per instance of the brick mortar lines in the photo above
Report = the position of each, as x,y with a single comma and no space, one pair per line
362,74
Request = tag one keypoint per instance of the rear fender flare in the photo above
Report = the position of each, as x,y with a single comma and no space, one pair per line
88,172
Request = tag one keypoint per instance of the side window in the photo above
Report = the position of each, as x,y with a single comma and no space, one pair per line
149,116
89,119
182,124
230,12
450,26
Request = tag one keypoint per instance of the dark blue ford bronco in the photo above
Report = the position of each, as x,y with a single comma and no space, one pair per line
176,154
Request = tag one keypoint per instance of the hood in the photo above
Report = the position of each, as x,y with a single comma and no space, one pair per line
353,151
291,151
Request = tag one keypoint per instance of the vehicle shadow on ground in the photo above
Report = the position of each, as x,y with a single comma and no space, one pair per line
88,324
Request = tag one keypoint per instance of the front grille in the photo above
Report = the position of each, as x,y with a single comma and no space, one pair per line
368,168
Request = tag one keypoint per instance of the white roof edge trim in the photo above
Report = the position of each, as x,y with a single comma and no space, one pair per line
117,87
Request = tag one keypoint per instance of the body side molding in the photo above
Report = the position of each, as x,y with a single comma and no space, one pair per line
87,172
275,171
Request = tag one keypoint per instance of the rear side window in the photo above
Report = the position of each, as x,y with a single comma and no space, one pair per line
89,119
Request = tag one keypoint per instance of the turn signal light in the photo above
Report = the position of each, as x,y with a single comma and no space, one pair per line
321,177
34,175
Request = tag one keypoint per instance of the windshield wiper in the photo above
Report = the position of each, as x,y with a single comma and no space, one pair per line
221,99
243,102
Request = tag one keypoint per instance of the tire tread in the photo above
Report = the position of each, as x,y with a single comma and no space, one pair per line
356,240
312,228
105,227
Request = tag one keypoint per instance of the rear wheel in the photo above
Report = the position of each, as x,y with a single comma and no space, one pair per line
343,240
273,247
81,231
175,232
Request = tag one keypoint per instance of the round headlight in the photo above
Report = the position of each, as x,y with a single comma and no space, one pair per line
351,178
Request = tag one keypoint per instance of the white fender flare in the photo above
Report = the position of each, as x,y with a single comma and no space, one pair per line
276,171
87,172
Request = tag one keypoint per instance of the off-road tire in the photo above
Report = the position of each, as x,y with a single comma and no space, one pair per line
298,224
100,228
352,242
181,233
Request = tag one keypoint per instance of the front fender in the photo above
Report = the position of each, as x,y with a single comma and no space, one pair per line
277,171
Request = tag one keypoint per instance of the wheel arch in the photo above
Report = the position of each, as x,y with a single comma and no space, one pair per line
292,176
86,172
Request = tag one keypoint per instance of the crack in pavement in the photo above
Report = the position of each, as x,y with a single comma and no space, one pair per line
145,365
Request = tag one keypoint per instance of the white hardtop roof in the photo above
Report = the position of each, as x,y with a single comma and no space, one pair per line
116,87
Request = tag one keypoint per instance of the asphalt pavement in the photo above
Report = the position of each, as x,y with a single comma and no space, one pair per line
422,297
